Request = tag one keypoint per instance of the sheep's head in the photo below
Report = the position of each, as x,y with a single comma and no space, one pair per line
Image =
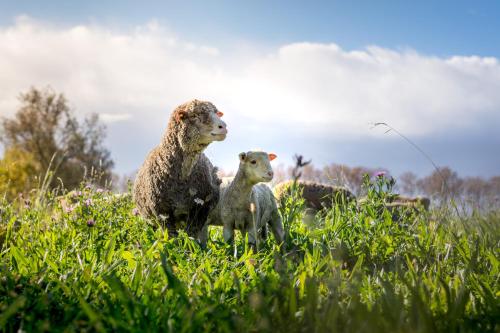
198,123
256,166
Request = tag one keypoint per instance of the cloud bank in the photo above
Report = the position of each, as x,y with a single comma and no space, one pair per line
271,97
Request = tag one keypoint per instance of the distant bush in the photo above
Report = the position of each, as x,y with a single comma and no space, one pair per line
17,170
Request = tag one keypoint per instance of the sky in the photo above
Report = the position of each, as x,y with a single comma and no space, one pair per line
290,76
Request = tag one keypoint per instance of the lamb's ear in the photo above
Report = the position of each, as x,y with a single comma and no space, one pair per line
272,156
243,156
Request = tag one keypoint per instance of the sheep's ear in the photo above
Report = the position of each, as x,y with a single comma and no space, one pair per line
181,115
220,114
272,156
243,156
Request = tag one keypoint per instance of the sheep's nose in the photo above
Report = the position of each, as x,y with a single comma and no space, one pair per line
270,173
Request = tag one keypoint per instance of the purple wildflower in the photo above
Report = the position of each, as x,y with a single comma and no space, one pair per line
88,202
69,209
380,174
99,190
135,212
77,193
90,223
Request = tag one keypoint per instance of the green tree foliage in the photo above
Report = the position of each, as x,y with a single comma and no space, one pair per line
16,172
45,127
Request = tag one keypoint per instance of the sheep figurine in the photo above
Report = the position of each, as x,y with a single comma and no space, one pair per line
247,205
177,183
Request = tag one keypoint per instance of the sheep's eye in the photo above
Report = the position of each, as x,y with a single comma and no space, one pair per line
253,162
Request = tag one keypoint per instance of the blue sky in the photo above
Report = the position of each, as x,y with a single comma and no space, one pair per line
433,27
291,76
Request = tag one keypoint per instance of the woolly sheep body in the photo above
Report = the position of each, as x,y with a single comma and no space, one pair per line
316,196
415,202
397,201
177,183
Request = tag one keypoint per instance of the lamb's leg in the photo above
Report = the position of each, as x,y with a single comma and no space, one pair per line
277,227
203,235
263,233
252,236
228,232
264,220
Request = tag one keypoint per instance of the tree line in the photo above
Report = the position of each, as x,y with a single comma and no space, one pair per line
46,144
441,185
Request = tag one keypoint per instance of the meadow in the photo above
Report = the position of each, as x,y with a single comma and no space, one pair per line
96,265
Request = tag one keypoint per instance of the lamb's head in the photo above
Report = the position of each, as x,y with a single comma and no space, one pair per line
197,124
256,166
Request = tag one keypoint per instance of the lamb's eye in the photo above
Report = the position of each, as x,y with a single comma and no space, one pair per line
253,162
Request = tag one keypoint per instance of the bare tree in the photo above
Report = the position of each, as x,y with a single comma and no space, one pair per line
408,183
443,183
475,190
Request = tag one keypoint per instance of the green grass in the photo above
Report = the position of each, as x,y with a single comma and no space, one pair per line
355,270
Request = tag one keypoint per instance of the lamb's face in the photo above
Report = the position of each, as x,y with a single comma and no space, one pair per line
257,166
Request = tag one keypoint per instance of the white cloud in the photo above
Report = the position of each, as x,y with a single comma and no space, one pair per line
319,90
114,117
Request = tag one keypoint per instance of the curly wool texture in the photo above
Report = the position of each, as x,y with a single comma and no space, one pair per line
316,196
177,183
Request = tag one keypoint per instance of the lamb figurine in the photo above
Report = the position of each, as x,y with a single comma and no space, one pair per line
247,205
177,181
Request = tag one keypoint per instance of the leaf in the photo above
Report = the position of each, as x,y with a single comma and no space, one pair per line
173,282
11,310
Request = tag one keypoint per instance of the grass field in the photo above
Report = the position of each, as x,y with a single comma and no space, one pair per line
98,266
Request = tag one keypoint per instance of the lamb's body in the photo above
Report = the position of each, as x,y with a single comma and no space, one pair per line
177,183
246,205
250,209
